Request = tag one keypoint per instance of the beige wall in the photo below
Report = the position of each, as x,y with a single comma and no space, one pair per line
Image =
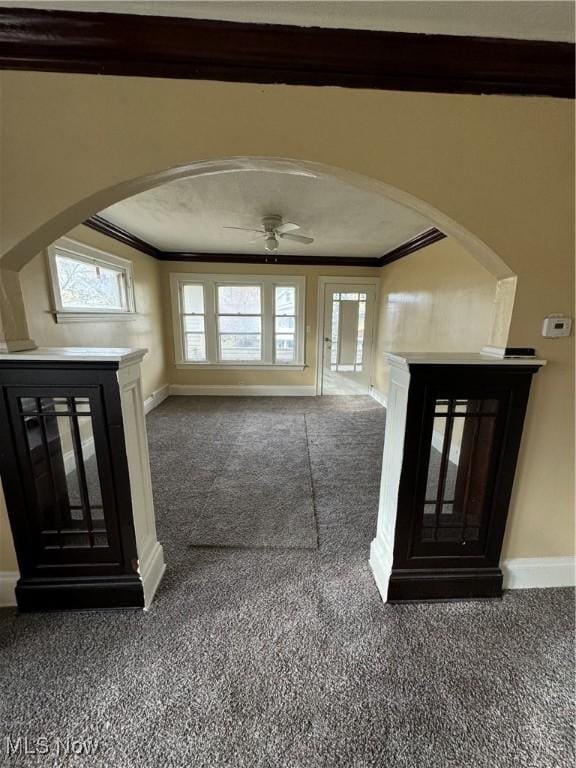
279,378
436,300
145,330
496,167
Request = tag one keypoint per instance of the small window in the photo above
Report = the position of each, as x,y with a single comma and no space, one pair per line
89,282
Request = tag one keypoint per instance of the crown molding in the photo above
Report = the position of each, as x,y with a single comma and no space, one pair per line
159,46
276,258
411,246
105,227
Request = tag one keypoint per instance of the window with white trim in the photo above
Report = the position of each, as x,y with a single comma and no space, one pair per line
229,321
87,282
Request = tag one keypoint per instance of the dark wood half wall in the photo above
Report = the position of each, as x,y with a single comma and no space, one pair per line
156,46
105,227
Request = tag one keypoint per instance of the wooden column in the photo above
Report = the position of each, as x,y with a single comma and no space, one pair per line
76,475
453,433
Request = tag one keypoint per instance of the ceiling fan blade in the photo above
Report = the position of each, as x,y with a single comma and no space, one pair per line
258,237
244,229
287,227
298,238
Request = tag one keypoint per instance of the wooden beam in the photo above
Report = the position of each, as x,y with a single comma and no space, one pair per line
159,46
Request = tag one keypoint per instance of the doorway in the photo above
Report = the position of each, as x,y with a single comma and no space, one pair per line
346,320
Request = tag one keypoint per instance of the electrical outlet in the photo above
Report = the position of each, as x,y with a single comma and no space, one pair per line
241,383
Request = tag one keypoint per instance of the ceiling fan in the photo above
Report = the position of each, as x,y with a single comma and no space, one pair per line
273,230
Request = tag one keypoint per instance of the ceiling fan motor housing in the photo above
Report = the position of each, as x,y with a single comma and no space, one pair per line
270,223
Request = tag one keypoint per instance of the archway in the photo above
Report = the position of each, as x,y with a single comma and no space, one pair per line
16,258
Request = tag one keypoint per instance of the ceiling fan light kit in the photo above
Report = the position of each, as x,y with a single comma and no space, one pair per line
274,230
271,244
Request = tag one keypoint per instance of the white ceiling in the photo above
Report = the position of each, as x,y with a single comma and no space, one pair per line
543,20
189,215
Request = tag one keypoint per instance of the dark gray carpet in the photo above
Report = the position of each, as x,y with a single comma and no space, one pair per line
254,488
266,658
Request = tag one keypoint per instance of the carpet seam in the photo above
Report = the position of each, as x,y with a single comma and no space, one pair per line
312,487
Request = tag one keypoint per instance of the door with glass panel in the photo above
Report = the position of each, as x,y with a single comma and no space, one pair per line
348,333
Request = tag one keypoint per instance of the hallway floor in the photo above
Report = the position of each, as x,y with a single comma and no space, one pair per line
268,644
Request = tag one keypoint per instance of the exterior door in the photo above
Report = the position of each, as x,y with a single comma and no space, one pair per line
348,332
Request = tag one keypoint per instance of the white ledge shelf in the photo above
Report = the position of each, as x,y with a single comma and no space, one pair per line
240,367
405,359
121,355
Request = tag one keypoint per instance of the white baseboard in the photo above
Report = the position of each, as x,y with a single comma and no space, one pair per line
381,565
521,573
151,573
8,581
380,397
255,390
539,572
157,397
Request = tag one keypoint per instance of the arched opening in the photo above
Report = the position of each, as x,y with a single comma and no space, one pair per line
313,432
16,258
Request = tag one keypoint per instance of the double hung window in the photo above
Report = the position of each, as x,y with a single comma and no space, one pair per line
231,320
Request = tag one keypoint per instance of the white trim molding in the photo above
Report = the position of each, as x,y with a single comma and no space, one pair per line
157,397
94,317
16,345
539,572
521,573
152,572
243,390
150,554
380,397
437,438
209,319
80,252
8,581
323,282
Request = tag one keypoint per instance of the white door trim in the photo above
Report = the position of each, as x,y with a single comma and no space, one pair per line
324,281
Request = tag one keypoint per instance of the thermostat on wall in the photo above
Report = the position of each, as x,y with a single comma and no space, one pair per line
556,325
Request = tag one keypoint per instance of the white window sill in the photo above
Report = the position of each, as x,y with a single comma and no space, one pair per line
93,317
242,366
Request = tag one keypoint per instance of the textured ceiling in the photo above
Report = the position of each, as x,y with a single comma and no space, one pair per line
189,215
506,18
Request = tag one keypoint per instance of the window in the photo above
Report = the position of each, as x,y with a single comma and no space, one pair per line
285,323
348,320
238,321
194,323
87,282
239,310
